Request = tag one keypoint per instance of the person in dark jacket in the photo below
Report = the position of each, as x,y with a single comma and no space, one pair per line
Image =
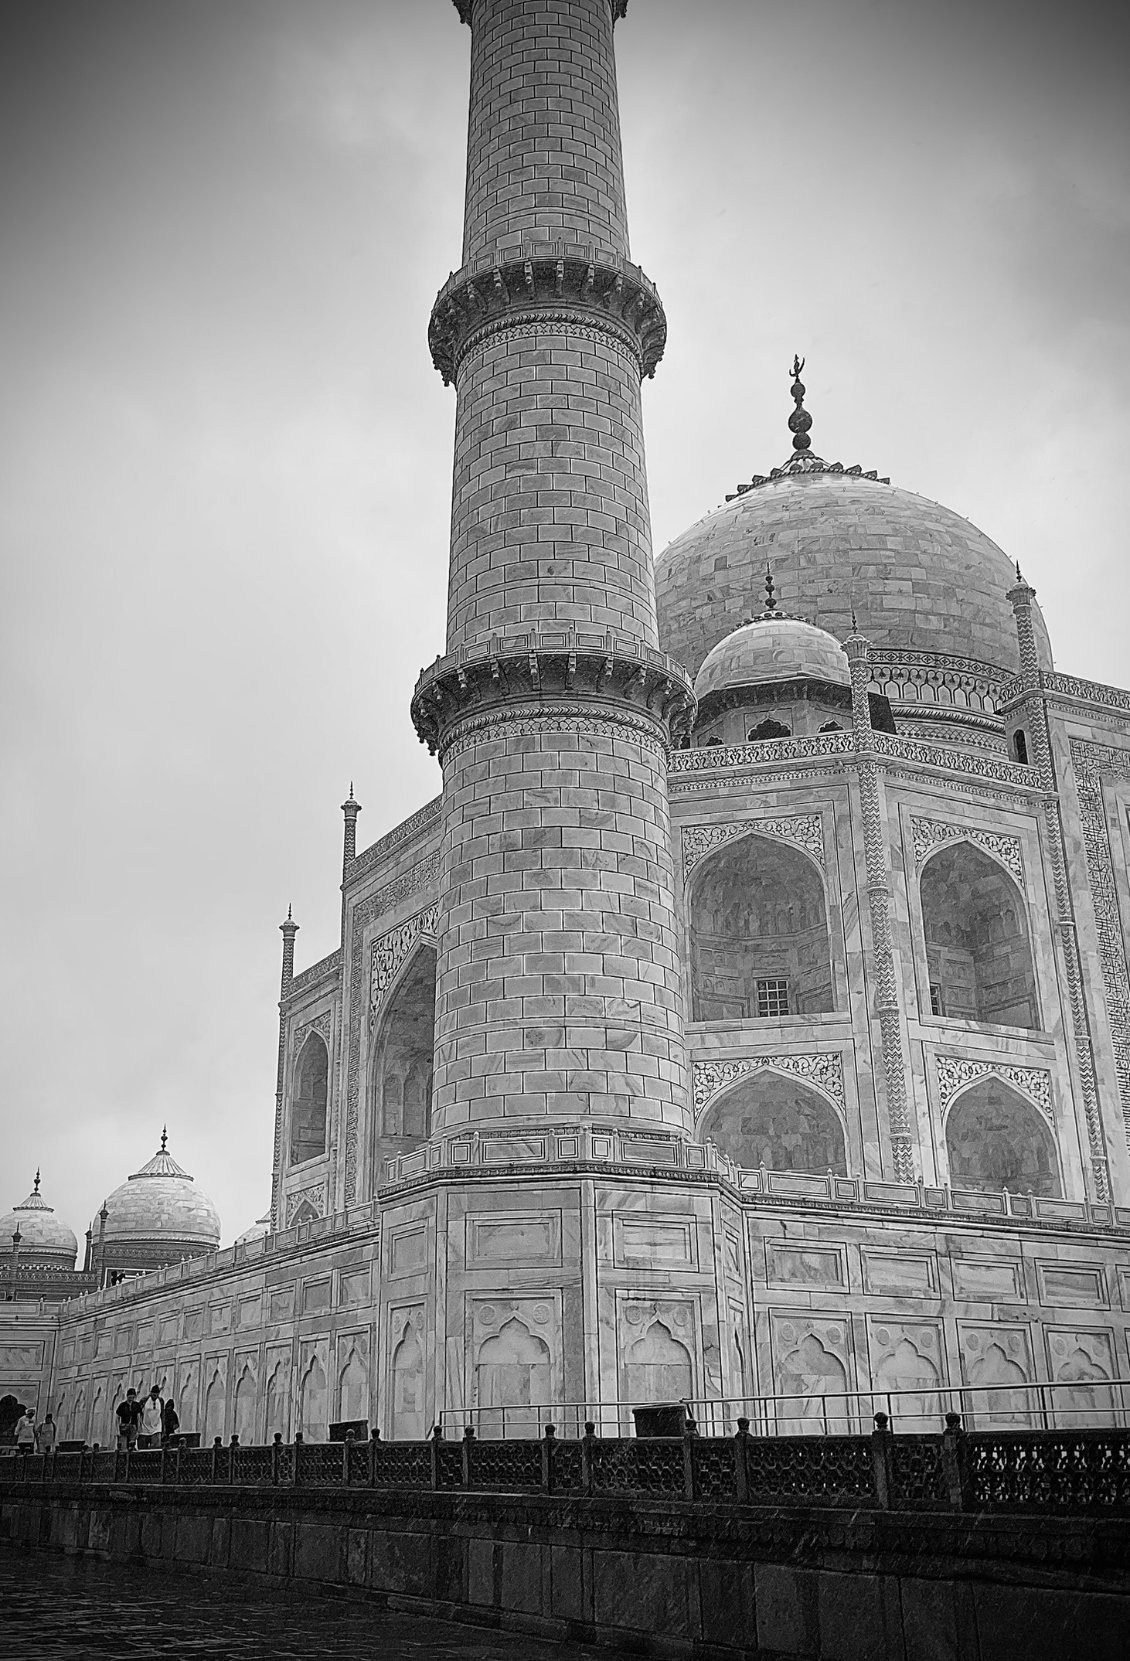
170,1422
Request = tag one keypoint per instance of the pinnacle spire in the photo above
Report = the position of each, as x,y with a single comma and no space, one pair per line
35,1189
770,596
164,1137
800,420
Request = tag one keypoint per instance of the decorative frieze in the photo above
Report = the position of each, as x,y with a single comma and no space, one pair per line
954,1074
1092,764
804,830
930,834
391,950
515,723
709,758
824,1069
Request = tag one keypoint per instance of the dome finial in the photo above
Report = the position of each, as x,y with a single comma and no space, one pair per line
799,420
164,1137
770,596
35,1189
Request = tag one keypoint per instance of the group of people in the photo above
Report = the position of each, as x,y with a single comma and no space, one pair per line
32,1437
146,1424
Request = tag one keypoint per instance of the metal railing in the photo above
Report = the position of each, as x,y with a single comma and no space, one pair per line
1067,1472
1095,1403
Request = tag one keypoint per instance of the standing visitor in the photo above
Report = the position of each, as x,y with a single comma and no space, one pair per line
129,1416
170,1422
45,1436
25,1432
152,1420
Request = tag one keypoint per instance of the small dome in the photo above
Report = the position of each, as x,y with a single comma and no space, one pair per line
258,1230
772,648
44,1238
160,1206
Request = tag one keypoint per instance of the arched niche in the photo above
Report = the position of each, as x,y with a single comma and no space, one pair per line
401,1076
771,1119
309,1099
978,954
996,1139
513,1372
759,934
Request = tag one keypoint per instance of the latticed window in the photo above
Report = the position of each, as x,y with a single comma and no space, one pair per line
772,997
936,999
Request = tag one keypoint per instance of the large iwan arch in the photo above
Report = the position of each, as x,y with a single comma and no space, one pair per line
400,1080
772,1119
978,954
759,934
996,1138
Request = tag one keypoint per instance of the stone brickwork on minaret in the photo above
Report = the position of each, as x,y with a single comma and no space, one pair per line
558,989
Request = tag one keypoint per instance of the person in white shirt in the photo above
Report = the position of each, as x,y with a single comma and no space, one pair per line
149,1435
25,1432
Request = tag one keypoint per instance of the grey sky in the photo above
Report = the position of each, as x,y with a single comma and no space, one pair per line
227,458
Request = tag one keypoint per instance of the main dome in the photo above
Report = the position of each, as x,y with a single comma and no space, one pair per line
44,1237
160,1207
918,577
921,578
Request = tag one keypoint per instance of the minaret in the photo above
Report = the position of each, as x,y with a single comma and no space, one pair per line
558,989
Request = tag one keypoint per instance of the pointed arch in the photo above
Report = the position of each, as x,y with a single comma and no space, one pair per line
978,951
246,1393
408,1385
304,1212
769,1117
400,1078
657,1367
309,1100
278,1418
996,1138
312,1403
215,1407
353,1387
512,1370
760,945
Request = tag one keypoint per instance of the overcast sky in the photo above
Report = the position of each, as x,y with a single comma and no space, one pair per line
226,457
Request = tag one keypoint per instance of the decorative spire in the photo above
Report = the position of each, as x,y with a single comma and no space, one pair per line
164,1137
35,1189
770,596
799,420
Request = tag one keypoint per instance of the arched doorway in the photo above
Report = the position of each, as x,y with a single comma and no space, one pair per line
978,954
996,1139
401,1078
309,1100
759,934
771,1119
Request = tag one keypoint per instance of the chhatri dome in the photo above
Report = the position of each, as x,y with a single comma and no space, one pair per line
158,1214
44,1237
921,578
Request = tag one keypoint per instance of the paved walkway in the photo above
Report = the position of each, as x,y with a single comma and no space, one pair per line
77,1609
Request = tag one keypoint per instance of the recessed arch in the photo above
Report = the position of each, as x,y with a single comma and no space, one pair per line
978,952
996,1138
760,946
400,1079
309,1100
769,1117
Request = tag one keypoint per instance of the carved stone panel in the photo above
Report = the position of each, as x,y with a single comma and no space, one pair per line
656,1349
900,1274
314,1389
654,1242
515,1355
1080,1361
907,1366
955,1073
929,834
988,1279
825,1070
812,1371
805,1264
406,1389
1072,1283
996,1362
514,1238
804,830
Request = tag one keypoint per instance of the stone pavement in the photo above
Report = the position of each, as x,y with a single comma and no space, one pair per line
55,1608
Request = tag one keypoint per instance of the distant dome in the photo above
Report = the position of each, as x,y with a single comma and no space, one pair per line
159,1212
258,1230
772,648
44,1238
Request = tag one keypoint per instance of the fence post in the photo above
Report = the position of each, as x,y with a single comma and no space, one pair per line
349,1437
436,1439
953,1461
176,1457
373,1440
881,1462
276,1446
164,1464
741,1468
689,1435
586,1455
548,1444
468,1445
298,1439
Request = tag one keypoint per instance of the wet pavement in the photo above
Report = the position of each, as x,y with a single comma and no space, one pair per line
77,1608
